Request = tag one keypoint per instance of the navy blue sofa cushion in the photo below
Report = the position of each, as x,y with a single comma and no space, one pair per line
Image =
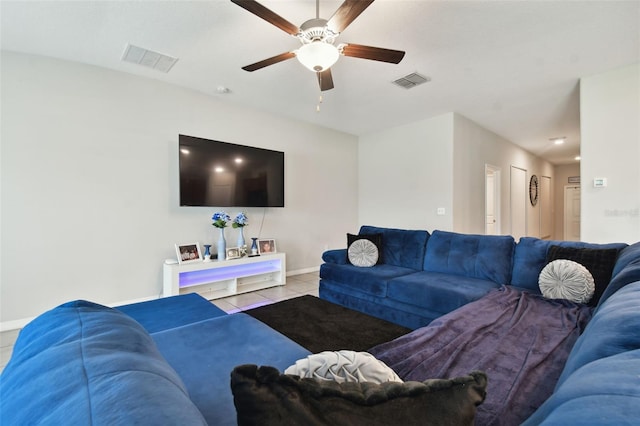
486,257
400,247
437,291
171,312
372,280
83,363
530,258
615,329
205,353
603,392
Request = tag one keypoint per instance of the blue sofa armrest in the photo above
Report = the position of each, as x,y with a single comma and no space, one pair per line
83,363
338,256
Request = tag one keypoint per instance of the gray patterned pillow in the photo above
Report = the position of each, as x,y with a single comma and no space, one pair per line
363,253
566,279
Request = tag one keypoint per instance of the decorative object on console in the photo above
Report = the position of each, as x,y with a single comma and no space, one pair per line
566,279
207,253
220,220
343,366
263,396
188,252
233,253
364,250
267,246
240,221
254,247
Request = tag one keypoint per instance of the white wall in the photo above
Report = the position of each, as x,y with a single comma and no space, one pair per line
89,183
610,148
405,174
476,146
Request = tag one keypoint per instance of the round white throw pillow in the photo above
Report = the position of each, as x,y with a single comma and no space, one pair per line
566,279
363,253
343,366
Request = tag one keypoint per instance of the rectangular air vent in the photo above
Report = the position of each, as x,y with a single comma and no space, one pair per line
148,58
411,80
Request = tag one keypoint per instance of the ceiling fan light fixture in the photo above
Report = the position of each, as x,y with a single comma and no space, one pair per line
318,56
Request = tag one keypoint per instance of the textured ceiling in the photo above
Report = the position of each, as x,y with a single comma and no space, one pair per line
513,67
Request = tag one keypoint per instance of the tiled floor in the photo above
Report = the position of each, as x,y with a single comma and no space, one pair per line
297,285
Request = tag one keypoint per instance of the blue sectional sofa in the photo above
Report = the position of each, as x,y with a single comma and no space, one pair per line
424,276
600,382
164,362
169,361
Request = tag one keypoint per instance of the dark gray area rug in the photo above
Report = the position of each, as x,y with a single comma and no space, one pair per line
319,325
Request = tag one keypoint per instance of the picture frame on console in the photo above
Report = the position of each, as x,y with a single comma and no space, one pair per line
233,253
188,253
267,246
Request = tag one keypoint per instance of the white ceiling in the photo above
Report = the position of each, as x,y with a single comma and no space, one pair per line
511,66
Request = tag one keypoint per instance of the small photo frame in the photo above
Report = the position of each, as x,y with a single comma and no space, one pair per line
233,253
188,253
267,246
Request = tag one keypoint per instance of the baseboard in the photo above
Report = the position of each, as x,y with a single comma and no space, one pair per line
303,271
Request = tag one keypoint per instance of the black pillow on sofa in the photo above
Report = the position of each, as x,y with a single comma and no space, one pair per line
264,397
599,262
374,238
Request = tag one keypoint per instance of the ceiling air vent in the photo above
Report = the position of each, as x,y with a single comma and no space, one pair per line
411,80
148,58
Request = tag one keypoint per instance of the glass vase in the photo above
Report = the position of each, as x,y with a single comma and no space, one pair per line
254,246
222,246
240,237
207,253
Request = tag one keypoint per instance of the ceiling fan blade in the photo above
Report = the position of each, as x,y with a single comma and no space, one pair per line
325,79
270,61
373,53
346,13
268,15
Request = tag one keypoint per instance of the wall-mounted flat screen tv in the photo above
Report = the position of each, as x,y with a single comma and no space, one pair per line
222,174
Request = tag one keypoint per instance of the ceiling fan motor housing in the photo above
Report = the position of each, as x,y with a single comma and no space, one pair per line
315,30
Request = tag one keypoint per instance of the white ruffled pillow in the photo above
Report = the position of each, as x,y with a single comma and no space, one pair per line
566,279
343,366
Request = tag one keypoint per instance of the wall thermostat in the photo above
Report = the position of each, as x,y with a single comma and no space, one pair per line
599,182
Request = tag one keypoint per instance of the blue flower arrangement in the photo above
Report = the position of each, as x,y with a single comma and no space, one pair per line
220,219
241,220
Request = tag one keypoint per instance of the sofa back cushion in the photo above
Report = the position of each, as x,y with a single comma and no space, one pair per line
612,330
531,257
400,247
83,363
486,257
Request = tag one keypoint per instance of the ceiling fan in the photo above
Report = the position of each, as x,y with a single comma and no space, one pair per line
318,52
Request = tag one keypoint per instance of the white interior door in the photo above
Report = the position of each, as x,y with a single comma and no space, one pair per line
518,190
492,200
546,212
572,213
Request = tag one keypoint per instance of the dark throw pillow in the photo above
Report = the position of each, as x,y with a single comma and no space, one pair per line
265,397
599,262
376,239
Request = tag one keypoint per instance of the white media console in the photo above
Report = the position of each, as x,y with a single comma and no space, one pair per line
217,279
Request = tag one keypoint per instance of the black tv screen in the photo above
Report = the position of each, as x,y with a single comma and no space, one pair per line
222,174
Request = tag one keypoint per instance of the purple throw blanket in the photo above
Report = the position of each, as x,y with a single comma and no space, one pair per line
521,340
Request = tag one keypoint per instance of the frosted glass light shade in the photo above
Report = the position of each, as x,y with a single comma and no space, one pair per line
318,56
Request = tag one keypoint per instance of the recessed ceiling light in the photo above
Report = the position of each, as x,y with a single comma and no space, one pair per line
558,141
577,158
